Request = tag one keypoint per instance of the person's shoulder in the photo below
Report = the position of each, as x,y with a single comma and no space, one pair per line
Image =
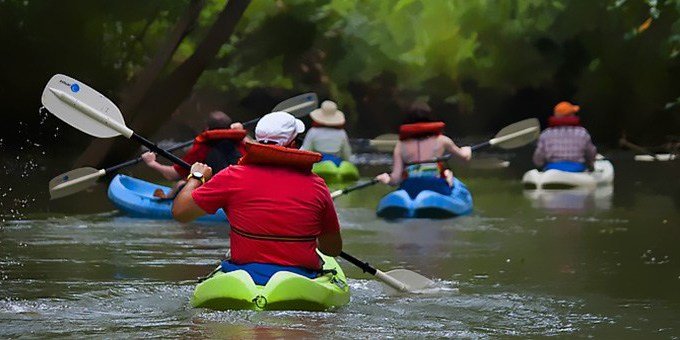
581,130
233,171
445,139
318,183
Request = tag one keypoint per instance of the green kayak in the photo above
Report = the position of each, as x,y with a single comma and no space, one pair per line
284,291
331,173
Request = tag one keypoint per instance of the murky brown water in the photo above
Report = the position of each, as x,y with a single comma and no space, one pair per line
602,264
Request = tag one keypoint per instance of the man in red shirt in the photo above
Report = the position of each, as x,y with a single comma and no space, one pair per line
220,145
279,211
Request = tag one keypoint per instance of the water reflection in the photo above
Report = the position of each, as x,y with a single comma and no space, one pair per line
525,264
571,200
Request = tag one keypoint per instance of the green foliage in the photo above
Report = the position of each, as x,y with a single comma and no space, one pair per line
485,58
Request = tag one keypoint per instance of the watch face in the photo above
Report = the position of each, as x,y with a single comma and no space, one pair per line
197,174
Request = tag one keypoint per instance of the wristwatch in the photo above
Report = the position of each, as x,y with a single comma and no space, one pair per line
197,175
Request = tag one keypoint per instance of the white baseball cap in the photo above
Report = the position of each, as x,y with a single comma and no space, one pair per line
278,128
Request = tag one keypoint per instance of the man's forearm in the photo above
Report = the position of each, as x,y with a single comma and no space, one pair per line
167,171
184,209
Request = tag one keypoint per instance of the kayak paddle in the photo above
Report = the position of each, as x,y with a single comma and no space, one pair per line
381,143
510,137
91,112
650,156
402,280
341,192
80,179
514,135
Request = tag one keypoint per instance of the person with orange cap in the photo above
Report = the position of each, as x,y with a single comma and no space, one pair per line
327,135
565,145
278,210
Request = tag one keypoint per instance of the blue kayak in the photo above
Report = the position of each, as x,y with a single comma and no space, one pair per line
427,204
135,198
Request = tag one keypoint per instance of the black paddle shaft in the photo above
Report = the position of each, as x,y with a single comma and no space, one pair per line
359,186
355,261
165,153
139,159
170,149
480,145
153,147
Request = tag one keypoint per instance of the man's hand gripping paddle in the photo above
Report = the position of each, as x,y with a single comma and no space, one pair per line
89,111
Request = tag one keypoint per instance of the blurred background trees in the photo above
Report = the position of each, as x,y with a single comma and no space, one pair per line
480,63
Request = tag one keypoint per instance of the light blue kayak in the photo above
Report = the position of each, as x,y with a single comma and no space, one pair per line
427,204
135,198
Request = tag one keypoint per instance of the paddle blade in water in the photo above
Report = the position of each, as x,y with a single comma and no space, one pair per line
414,280
74,181
299,106
517,134
488,163
411,279
384,143
83,108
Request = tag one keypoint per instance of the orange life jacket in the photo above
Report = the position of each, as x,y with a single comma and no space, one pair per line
421,130
554,121
235,135
275,155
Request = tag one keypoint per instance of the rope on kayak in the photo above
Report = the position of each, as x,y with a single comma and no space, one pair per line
212,273
272,237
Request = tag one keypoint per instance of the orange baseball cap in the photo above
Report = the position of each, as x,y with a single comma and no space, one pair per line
565,109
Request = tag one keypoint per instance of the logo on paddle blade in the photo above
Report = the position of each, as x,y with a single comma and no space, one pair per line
74,87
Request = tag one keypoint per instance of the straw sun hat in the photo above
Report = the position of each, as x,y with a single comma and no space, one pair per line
328,114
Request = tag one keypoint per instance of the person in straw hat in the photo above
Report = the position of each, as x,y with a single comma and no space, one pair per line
327,135
565,145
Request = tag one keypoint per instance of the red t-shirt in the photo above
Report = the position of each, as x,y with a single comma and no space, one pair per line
273,201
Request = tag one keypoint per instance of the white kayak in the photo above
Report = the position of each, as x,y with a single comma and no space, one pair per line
557,179
663,157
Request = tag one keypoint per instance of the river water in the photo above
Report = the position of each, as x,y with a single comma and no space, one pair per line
603,264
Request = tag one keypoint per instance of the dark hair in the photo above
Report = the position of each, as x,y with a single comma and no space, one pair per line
419,112
218,120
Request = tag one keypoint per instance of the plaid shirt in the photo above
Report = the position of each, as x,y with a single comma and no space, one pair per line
565,143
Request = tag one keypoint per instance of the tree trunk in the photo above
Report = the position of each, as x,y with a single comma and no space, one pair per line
158,99
131,96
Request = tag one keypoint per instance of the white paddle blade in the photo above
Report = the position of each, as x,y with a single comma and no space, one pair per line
517,134
488,163
335,194
403,280
299,106
663,157
384,143
413,280
83,108
74,181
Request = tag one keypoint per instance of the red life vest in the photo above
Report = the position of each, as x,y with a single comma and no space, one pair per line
421,130
219,134
217,148
554,121
275,155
